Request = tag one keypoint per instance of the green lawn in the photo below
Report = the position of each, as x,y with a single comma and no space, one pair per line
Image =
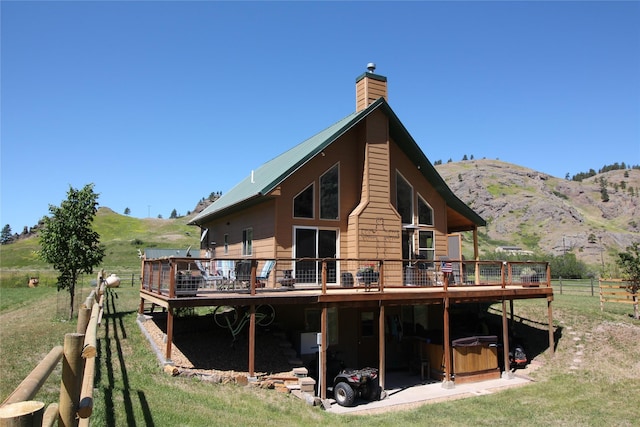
131,388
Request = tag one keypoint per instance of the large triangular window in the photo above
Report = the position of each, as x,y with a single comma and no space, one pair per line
404,199
330,194
303,203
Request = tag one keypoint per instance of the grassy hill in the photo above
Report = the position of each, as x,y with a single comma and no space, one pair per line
122,236
522,207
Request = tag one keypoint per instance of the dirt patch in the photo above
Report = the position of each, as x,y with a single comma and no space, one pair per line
199,345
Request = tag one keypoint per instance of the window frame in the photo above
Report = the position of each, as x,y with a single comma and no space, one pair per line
425,250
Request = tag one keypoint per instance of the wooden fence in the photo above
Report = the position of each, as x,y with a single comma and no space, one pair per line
584,287
616,290
78,356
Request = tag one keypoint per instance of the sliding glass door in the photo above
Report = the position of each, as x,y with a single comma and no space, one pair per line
314,243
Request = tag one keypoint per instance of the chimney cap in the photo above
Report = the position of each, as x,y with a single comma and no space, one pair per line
371,67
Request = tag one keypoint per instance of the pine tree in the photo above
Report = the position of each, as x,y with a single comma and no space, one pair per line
6,234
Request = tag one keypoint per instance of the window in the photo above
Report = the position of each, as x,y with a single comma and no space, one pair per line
303,203
425,213
226,243
426,245
247,241
315,243
329,194
404,199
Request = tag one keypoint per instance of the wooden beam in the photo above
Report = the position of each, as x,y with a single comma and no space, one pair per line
552,343
90,338
254,275
322,375
381,347
476,255
22,414
447,345
167,351
29,387
85,407
72,367
505,336
50,416
252,337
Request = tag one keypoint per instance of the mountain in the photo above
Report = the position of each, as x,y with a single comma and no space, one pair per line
539,212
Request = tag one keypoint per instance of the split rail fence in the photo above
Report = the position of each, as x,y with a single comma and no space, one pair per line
617,290
78,356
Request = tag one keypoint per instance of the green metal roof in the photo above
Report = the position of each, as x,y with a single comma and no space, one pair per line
261,181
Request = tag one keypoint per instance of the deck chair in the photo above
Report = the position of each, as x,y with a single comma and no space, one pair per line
210,280
226,269
263,276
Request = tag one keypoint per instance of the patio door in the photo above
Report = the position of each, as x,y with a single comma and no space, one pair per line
315,243
368,332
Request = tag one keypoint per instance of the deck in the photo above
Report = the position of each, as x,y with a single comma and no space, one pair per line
176,283
186,282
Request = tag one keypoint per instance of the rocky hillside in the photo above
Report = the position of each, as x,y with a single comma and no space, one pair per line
536,211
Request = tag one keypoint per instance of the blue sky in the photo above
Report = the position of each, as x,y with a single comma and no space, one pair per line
161,103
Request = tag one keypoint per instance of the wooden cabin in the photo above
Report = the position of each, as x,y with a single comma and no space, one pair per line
362,237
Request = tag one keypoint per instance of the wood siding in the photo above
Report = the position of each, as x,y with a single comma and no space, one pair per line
369,90
368,225
400,162
374,225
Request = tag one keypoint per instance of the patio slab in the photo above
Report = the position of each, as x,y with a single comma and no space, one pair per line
403,392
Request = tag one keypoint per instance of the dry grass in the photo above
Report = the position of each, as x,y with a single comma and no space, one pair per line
588,382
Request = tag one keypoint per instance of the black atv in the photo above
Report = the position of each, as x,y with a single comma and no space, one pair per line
517,356
352,383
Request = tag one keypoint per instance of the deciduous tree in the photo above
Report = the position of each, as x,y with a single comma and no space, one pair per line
629,263
68,240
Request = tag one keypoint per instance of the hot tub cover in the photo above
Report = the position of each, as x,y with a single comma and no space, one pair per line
475,340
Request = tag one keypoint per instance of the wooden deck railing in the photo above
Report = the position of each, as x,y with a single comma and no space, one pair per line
78,355
176,277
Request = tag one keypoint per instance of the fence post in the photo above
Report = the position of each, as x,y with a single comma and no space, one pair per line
70,385
592,286
560,281
22,414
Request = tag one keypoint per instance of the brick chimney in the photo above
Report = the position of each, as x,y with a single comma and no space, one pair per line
370,87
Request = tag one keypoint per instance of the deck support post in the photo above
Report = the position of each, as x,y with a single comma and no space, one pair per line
447,383
252,339
381,348
552,343
322,375
505,340
167,351
511,315
476,255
